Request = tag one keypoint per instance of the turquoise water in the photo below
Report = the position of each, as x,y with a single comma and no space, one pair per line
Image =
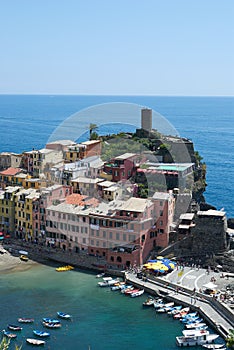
102,319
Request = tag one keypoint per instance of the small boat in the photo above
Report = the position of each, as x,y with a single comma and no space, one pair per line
23,257
108,283
50,320
158,304
195,325
63,315
196,337
127,288
35,341
51,324
128,292
165,307
214,346
9,334
174,310
25,320
100,275
192,320
14,327
64,268
149,302
137,294
41,333
182,313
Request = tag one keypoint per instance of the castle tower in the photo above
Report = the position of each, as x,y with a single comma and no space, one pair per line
146,119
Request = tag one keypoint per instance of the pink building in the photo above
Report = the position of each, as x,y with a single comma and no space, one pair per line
164,205
122,167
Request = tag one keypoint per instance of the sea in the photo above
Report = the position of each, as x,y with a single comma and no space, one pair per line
102,319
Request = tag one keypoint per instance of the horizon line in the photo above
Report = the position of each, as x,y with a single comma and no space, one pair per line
111,95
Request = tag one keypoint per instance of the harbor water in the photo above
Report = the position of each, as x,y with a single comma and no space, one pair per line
101,318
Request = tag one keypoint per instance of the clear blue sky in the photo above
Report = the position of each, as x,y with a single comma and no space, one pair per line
117,47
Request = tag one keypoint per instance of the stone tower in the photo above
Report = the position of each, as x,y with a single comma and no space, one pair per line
146,119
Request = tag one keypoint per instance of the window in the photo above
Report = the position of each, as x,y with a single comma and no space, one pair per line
161,213
110,235
117,236
84,219
104,244
104,234
64,216
124,237
92,232
84,240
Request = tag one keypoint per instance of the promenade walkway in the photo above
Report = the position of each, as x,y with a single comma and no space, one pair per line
217,315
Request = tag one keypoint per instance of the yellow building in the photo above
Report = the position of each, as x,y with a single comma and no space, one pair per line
7,176
7,209
24,214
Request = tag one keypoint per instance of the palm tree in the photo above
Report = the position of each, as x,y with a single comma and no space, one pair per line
230,339
92,129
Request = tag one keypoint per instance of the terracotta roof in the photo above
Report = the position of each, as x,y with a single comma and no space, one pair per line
11,171
81,200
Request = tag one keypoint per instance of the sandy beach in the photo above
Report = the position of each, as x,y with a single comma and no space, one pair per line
11,263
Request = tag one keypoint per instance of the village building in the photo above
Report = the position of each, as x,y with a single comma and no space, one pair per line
120,168
7,177
10,160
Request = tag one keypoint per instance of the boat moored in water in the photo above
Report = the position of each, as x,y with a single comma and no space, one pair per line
195,337
41,333
137,294
51,324
9,334
14,327
25,320
64,268
63,315
34,341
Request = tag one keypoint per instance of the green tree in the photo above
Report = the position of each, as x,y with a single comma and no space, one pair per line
230,339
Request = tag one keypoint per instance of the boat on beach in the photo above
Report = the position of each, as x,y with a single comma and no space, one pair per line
25,320
34,341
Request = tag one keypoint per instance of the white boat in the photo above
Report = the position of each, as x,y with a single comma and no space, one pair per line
35,341
158,303
195,337
63,315
195,325
108,282
214,346
137,294
149,302
174,310
100,275
165,307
